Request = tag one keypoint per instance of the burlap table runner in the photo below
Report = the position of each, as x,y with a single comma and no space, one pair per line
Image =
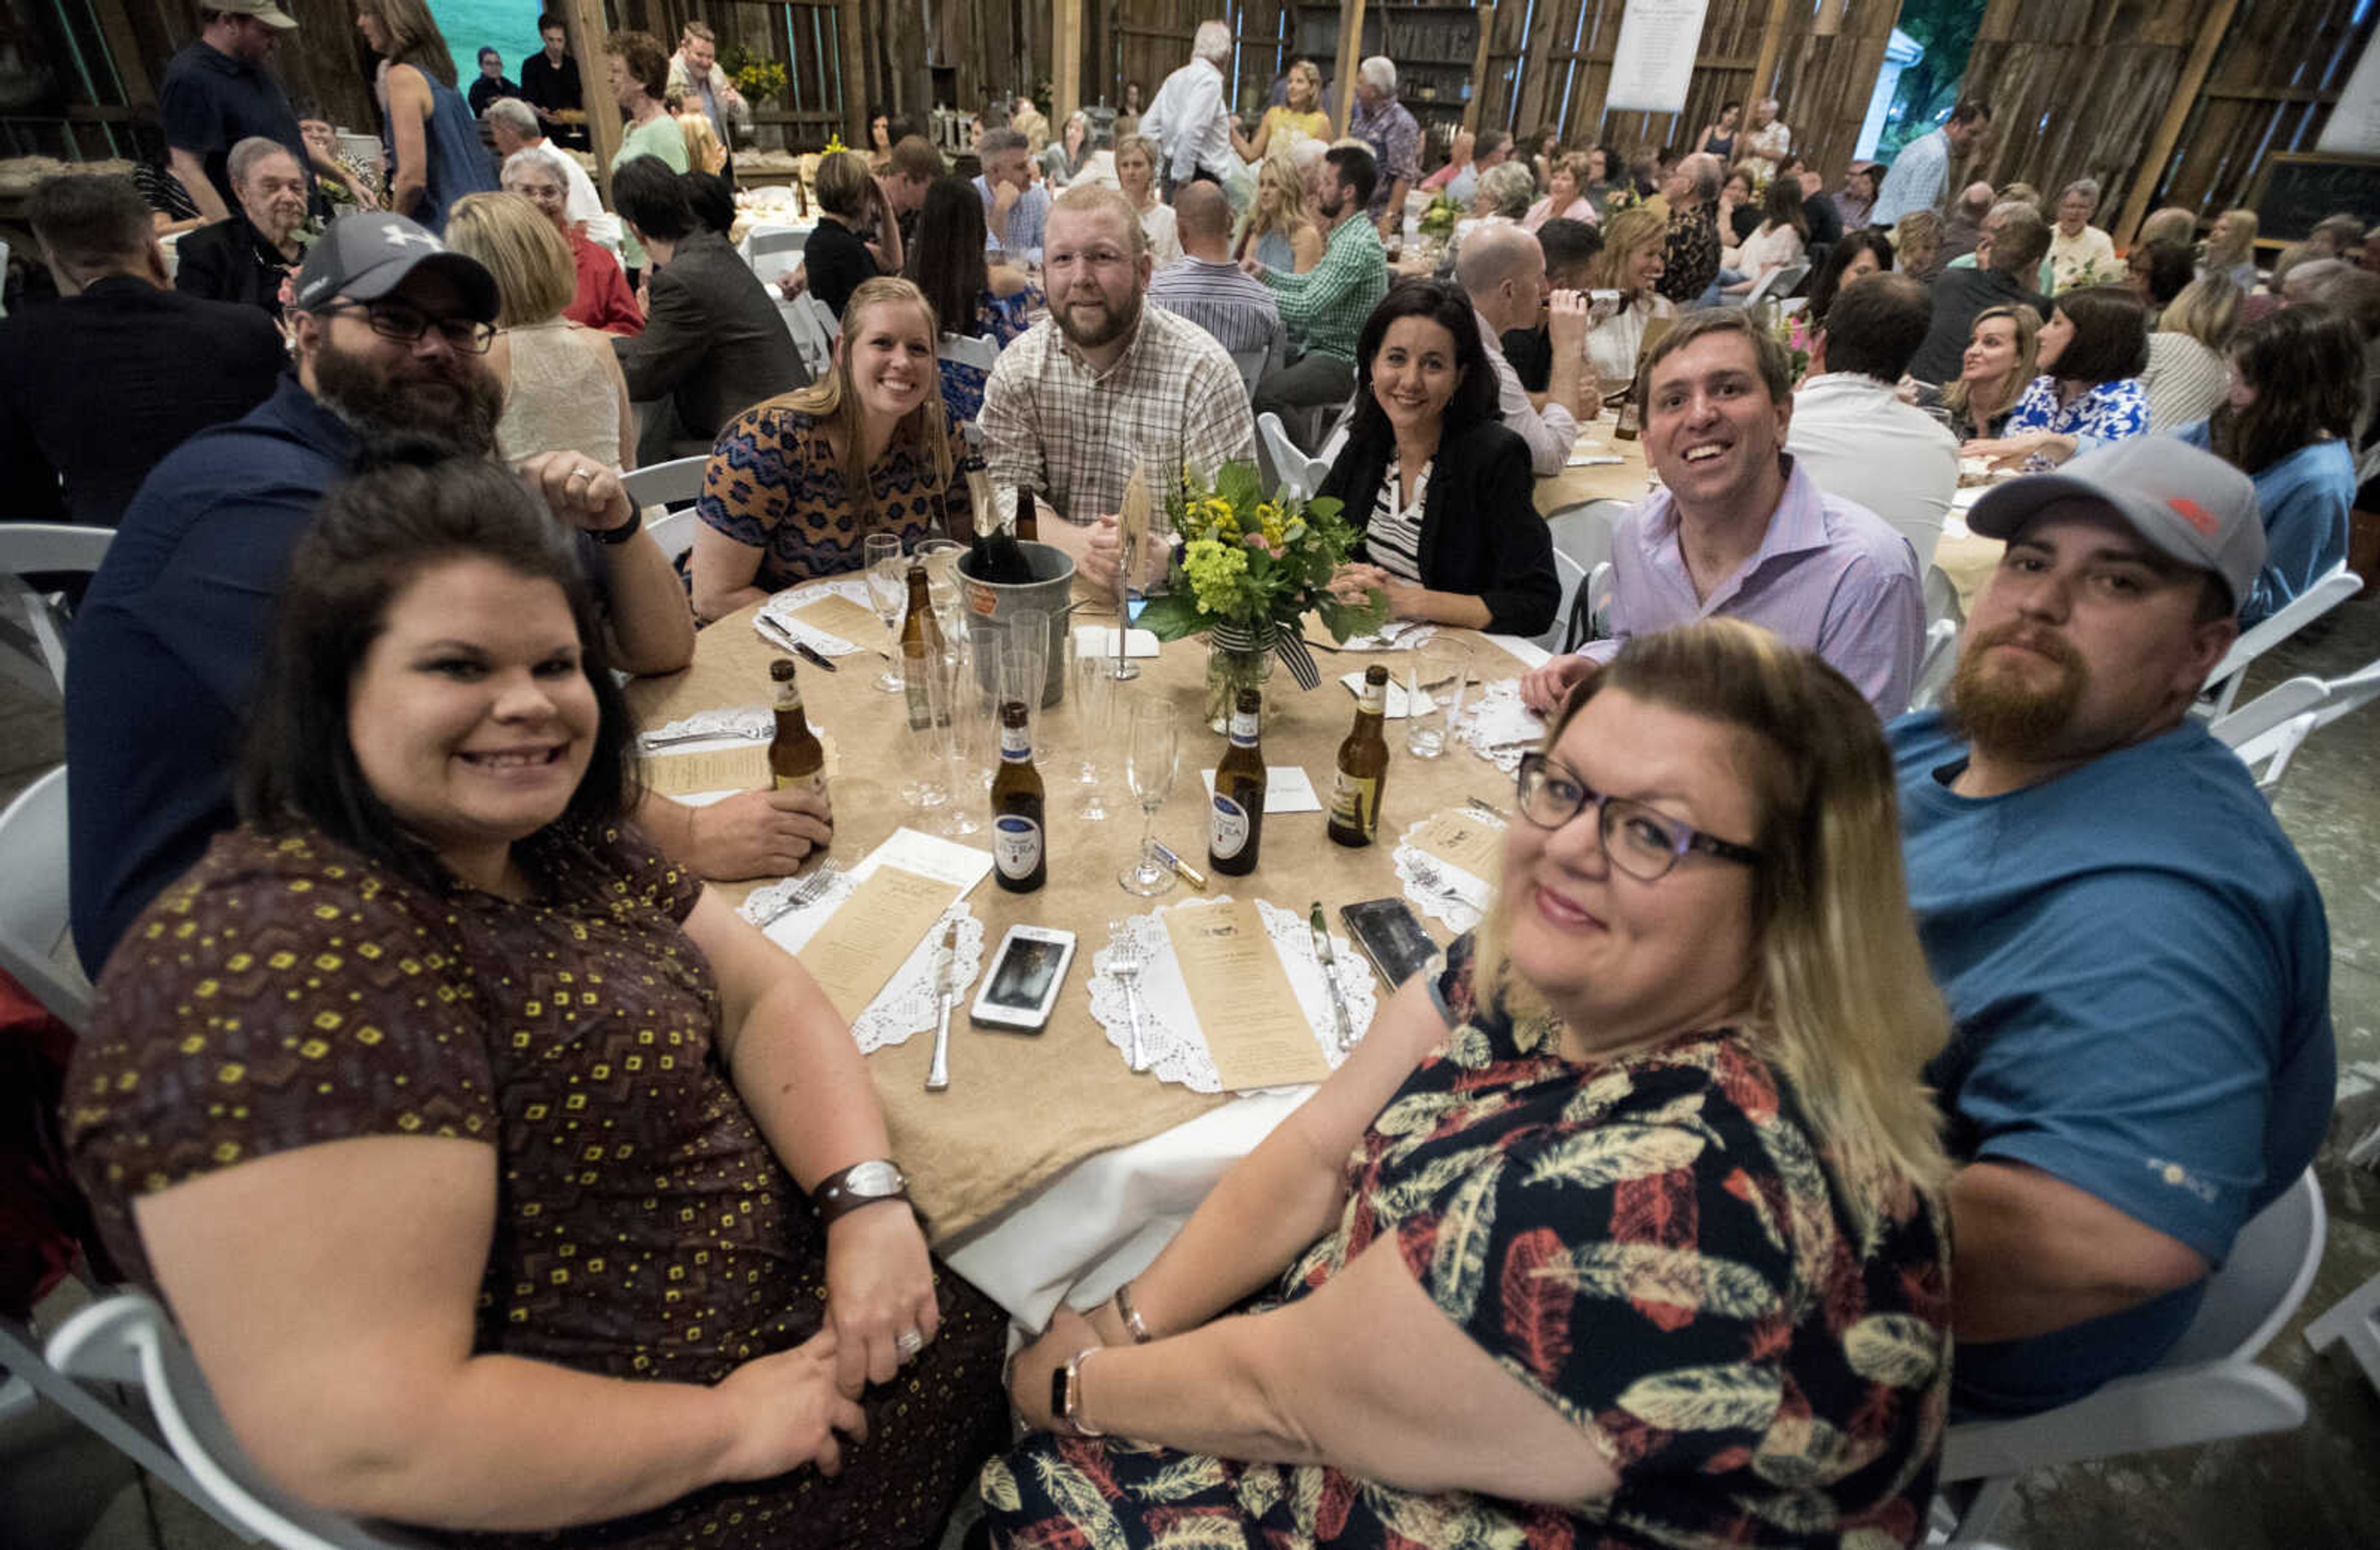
1022,1109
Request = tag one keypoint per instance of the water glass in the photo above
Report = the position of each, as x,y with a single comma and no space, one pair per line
1152,749
888,591
1437,673
941,557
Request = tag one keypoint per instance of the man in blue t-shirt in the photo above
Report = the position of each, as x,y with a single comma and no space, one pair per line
2136,961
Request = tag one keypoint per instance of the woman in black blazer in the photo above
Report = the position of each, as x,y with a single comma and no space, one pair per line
1441,491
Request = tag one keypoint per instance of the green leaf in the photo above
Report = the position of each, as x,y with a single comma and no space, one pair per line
1344,621
1173,615
1238,484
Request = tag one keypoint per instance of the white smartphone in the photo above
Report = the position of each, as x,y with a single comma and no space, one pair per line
1026,975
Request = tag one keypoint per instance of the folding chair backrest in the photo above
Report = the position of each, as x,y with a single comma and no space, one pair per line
1557,636
829,324
1251,365
2281,703
1290,466
2268,753
32,632
809,341
33,902
674,483
968,350
771,253
2333,588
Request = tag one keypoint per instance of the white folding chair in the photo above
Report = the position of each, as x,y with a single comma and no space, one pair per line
33,625
2335,586
967,350
829,324
2283,702
1557,636
128,1338
675,532
1776,283
33,904
810,340
772,252
2268,753
1297,474
1939,657
1251,364
2207,1388
674,483
2355,1319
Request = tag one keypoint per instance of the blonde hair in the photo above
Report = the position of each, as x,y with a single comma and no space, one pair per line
2207,310
1955,393
535,276
2242,242
1841,1000
835,396
703,151
1280,170
841,185
1142,145
1632,229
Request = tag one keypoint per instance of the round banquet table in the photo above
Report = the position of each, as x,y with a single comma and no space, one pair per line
1022,1112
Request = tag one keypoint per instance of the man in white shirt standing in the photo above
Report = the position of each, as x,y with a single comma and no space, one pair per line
1187,118
1850,431
1921,173
1502,270
513,125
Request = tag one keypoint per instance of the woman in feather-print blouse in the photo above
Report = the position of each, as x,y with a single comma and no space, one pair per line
796,484
1561,1256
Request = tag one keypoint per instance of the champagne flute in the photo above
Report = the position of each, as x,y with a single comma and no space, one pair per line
1094,702
941,557
888,589
1151,753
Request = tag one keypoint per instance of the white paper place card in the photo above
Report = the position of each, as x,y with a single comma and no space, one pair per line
928,856
1098,640
1501,722
1287,789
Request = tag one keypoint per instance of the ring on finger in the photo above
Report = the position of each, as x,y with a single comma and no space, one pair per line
908,1343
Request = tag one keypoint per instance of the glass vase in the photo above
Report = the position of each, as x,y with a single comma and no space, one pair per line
1237,659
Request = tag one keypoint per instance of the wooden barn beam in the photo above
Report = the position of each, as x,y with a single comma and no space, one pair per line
853,71
1478,69
583,20
1065,63
2177,114
1772,44
1350,54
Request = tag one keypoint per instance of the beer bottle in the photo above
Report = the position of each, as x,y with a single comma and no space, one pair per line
1236,829
1363,765
1019,853
921,646
1028,520
796,760
1629,413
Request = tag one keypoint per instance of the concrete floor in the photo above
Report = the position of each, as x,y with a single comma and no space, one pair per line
2318,1488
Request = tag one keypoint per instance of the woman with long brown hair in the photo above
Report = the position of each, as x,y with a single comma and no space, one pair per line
797,483
2289,424
431,140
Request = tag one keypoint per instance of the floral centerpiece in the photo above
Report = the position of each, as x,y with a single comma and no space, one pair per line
1438,219
1246,569
1793,330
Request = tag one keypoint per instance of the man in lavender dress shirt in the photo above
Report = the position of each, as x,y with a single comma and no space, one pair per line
1741,532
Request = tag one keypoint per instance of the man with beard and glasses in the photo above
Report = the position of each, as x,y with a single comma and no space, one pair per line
1104,385
1739,529
390,333
2135,959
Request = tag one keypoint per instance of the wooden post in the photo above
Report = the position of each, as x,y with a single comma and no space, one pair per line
124,47
1772,43
583,20
2176,114
1066,64
1479,69
1350,54
855,76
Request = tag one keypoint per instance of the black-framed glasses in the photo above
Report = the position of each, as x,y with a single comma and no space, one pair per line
407,324
1642,842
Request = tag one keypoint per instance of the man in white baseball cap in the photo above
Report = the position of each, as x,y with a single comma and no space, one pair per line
2135,958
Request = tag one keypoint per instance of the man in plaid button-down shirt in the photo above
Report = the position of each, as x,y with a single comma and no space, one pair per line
1105,383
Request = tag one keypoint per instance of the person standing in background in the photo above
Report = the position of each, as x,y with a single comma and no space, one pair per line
1920,176
1767,140
1188,121
491,86
1388,126
550,84
217,92
639,77
432,143
694,69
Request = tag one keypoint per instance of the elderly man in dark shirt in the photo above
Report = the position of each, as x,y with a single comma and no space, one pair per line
1691,261
246,258
97,386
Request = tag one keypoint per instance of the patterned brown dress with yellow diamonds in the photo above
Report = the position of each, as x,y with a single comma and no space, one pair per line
288,992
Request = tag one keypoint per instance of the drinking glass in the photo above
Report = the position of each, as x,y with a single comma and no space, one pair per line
1438,672
1028,665
1151,750
956,729
1094,691
924,751
978,680
941,557
888,589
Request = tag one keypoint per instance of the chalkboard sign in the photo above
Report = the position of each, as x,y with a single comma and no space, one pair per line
2299,189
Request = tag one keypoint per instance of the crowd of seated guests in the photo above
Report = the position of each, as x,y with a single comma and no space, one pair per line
359,494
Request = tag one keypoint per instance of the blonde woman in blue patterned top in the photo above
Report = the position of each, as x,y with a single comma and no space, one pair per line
796,484
501,1177
1622,1226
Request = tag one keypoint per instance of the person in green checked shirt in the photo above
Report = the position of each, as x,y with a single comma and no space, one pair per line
1325,306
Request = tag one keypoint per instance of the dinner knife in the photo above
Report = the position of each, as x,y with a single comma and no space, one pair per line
938,1074
1344,1024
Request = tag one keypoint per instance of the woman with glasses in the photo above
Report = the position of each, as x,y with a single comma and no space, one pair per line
502,1178
1622,1225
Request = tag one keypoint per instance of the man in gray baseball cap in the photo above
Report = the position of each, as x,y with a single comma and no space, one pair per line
2135,959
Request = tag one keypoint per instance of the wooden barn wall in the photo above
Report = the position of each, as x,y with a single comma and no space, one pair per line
2279,70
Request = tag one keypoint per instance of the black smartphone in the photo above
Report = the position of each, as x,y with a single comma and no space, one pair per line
1392,937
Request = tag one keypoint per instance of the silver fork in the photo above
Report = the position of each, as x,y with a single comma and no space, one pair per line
809,891
1124,967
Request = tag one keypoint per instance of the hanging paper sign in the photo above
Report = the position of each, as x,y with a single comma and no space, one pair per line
1653,61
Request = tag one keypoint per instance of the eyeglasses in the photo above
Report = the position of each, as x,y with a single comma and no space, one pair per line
1639,840
395,320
